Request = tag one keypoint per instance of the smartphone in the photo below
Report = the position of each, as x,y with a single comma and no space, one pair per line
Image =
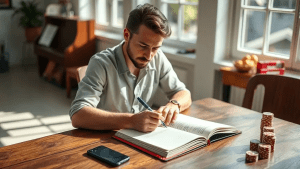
108,155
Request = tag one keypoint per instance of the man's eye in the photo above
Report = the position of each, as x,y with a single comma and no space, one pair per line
143,46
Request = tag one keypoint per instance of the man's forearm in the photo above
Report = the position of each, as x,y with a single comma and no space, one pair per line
184,98
97,119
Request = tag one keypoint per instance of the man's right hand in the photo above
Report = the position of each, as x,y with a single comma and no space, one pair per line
146,121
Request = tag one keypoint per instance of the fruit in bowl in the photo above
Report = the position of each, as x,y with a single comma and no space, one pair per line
246,64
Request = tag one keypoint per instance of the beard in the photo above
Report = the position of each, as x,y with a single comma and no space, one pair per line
135,61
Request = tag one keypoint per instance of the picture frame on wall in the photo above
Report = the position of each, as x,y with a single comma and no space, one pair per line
5,4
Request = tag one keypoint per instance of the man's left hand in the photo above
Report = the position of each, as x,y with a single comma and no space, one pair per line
169,112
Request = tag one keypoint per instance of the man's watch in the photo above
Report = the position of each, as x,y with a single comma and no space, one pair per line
175,102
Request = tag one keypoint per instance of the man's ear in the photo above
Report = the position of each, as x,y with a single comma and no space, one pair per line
126,35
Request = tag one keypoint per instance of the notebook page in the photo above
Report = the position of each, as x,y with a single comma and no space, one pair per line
164,138
198,126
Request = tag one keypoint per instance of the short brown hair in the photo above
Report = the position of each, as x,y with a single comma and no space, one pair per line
151,17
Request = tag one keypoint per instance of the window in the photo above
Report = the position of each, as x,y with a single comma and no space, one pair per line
268,28
109,15
182,16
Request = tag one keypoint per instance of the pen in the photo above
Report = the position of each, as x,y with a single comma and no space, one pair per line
149,108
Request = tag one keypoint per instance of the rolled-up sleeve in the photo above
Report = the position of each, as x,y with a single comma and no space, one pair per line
90,87
169,81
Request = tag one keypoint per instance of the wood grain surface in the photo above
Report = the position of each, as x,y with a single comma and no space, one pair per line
68,150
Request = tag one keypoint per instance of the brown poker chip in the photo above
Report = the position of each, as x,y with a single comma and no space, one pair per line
251,156
267,137
254,144
264,151
268,116
269,129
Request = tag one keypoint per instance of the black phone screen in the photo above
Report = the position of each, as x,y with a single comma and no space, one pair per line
108,155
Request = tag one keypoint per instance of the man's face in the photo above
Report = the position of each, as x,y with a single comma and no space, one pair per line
142,47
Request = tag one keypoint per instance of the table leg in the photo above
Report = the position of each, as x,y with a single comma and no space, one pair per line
226,93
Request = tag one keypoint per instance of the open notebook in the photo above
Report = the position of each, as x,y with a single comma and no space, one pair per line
185,135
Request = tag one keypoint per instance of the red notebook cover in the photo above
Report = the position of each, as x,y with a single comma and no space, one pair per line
159,156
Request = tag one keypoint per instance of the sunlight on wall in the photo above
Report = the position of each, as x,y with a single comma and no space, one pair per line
20,127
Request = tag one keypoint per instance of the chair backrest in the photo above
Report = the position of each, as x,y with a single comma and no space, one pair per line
80,73
282,96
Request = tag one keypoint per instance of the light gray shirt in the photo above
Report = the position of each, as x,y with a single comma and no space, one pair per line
109,85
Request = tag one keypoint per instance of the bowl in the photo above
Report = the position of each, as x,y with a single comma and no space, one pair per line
242,68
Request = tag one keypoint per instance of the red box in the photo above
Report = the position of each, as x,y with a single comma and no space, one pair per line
278,71
270,64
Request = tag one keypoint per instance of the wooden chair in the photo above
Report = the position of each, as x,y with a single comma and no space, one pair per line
74,73
282,96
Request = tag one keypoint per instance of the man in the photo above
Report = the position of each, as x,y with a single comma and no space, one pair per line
107,95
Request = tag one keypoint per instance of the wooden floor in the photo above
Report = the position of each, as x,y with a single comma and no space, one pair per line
31,107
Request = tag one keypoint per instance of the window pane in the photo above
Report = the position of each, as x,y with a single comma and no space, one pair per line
189,0
171,12
120,20
170,1
189,31
141,2
252,30
287,4
280,37
260,3
102,12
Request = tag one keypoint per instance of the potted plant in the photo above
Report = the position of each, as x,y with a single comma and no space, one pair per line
31,20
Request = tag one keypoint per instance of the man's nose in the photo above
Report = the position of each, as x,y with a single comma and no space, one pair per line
149,54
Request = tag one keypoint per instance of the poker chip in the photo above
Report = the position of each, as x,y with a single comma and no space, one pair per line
269,129
251,156
264,151
254,144
268,116
273,142
267,137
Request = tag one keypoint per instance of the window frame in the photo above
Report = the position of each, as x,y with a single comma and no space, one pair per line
113,16
177,42
238,52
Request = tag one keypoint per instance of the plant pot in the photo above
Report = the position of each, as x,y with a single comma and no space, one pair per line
32,33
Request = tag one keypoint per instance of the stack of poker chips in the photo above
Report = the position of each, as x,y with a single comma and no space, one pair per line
262,149
251,156
269,138
266,121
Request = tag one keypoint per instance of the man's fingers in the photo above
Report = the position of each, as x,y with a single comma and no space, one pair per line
175,115
151,127
169,116
156,115
165,111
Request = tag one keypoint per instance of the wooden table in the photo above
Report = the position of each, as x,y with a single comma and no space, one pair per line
68,149
232,77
